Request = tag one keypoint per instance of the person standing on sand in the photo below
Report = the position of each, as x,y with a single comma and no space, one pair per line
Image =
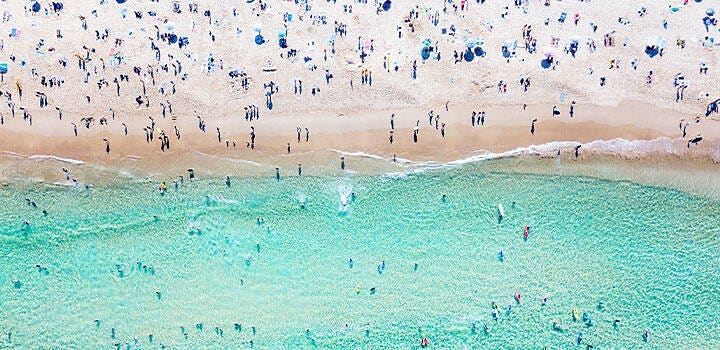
107,145
288,147
532,127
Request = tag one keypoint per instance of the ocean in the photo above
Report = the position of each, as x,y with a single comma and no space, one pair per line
360,261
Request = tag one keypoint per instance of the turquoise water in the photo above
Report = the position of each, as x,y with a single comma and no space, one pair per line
615,250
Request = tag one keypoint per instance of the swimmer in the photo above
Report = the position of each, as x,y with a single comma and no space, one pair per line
342,163
227,181
350,263
415,266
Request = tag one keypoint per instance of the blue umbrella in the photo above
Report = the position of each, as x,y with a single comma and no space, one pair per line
479,51
545,63
120,1
469,55
259,39
3,68
172,38
36,7
386,5
283,43
425,53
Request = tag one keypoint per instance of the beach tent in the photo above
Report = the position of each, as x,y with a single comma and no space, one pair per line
3,68
36,7
651,51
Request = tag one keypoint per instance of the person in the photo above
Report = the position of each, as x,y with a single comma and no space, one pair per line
532,127
342,163
277,173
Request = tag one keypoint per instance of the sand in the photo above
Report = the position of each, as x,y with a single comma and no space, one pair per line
344,120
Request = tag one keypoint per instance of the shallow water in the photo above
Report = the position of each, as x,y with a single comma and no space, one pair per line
649,255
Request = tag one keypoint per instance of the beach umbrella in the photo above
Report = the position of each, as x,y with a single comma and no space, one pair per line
425,53
710,12
386,5
120,1
3,68
259,39
479,51
172,38
282,42
469,55
36,7
545,63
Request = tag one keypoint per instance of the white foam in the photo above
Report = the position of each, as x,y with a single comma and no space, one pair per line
235,160
358,154
617,146
64,160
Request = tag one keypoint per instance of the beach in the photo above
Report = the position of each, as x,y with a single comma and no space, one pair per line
359,174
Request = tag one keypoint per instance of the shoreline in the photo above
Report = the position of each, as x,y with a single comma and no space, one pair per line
649,168
651,134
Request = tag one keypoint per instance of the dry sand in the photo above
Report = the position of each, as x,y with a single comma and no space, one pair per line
357,120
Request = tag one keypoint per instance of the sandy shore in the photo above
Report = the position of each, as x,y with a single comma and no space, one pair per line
613,147
624,117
